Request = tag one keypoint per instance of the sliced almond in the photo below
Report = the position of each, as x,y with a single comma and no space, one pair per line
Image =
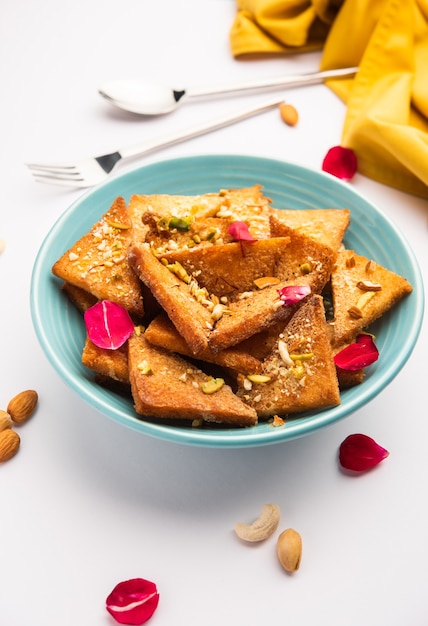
355,312
368,285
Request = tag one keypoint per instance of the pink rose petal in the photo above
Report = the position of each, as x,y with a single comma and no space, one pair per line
340,162
294,293
108,324
239,231
361,353
133,601
359,453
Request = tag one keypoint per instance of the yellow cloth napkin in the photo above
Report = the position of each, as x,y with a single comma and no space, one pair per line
386,121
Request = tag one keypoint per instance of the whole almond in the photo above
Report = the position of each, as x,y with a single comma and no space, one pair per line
289,114
23,405
5,420
9,444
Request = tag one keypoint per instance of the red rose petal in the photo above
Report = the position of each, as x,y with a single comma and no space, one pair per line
361,353
293,294
239,231
340,162
360,452
133,601
108,324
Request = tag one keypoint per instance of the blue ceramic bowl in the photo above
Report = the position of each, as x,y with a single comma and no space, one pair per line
60,329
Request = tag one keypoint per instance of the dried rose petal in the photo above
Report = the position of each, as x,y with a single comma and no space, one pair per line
360,452
239,231
361,353
108,324
341,162
293,294
133,601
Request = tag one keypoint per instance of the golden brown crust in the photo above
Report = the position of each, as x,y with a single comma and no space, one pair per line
214,304
81,299
229,269
98,263
189,317
326,226
162,333
353,278
298,384
172,389
110,363
209,210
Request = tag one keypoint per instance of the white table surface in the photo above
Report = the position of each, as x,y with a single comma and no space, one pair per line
87,503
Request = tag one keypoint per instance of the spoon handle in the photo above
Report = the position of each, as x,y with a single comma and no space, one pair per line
200,129
280,81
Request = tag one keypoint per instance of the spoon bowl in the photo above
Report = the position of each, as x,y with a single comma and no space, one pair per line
147,98
142,97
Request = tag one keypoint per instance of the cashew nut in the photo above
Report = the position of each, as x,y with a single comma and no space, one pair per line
263,527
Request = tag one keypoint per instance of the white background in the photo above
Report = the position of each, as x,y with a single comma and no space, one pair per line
87,503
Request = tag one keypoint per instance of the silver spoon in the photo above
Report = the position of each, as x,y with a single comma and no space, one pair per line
146,98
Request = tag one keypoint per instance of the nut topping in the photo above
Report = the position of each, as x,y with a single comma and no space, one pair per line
263,527
289,549
9,444
368,285
23,405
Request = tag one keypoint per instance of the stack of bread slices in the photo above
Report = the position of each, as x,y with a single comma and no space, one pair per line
214,342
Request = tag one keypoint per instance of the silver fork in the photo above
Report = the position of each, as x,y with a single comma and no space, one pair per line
91,171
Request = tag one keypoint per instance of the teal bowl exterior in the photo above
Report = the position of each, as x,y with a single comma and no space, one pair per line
60,329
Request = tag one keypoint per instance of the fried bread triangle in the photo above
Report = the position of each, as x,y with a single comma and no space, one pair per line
300,371
362,291
166,386
98,262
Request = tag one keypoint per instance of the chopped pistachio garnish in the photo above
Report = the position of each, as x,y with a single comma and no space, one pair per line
302,357
177,269
212,234
365,298
212,385
298,370
258,378
145,368
306,268
179,224
357,311
118,225
162,223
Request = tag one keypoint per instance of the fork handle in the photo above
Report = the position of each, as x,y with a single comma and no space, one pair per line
141,149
